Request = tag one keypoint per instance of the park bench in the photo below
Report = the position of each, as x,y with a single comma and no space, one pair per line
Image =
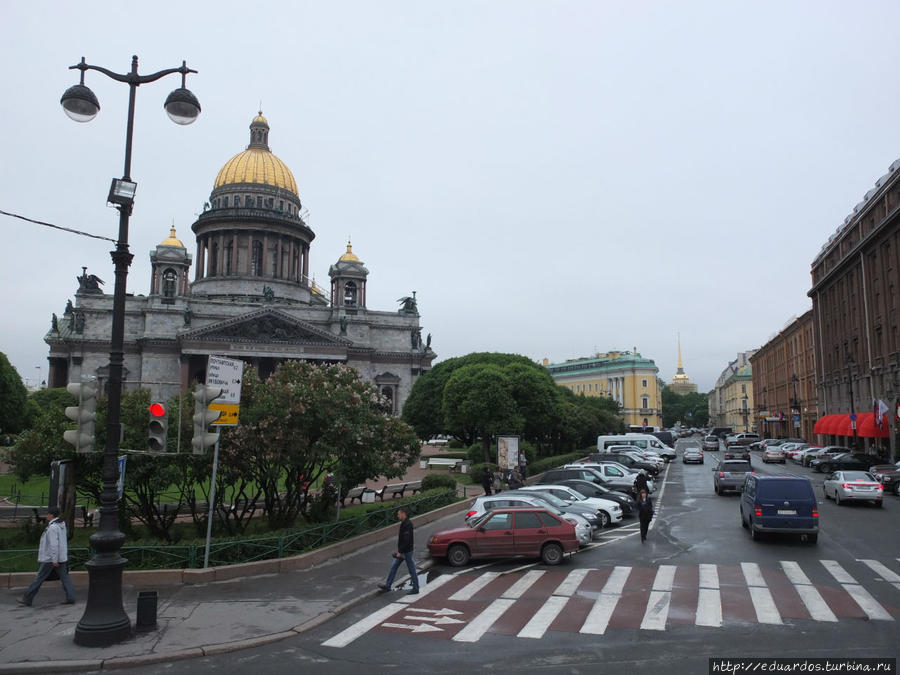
443,462
398,489
354,493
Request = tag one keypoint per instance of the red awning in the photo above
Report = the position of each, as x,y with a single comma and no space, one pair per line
840,425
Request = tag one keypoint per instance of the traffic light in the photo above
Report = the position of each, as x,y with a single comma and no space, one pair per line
203,417
157,427
83,414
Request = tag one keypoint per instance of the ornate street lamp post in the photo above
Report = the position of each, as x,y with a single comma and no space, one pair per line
795,404
850,363
104,621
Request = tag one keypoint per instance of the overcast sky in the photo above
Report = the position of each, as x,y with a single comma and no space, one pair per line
551,178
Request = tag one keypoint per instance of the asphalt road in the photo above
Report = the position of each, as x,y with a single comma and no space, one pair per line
699,588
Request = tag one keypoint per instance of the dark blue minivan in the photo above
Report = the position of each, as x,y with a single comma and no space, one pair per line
780,504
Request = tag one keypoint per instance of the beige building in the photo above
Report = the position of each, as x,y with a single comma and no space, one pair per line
627,377
731,400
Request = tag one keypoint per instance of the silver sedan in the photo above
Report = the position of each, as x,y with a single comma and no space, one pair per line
843,486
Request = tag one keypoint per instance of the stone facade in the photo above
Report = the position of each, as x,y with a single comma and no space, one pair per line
251,299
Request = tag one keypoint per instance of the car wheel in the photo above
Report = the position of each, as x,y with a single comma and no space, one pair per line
716,488
824,468
812,538
552,554
825,492
604,519
754,535
743,522
837,498
458,555
879,503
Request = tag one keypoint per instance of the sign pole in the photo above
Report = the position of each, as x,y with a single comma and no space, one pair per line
212,502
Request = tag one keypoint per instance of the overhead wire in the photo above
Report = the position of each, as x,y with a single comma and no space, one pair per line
56,227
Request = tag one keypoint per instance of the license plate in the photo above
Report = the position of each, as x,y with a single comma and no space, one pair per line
787,512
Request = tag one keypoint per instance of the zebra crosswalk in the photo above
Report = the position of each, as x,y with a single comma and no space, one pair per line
594,601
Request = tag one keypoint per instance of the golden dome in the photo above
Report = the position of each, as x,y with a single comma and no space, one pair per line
257,164
172,240
349,256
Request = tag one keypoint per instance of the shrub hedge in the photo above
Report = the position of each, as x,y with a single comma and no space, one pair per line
438,480
548,463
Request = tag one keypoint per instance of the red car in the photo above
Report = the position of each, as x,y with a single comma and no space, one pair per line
503,533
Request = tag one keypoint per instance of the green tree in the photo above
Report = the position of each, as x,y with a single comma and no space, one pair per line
691,409
478,403
307,419
13,396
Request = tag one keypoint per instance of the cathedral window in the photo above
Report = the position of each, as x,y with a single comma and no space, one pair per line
228,251
259,202
169,279
225,201
256,261
350,294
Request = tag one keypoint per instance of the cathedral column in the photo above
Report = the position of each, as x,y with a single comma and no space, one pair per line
279,264
264,268
234,255
201,258
305,261
220,262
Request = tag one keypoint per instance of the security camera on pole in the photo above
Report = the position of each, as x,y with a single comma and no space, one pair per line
217,403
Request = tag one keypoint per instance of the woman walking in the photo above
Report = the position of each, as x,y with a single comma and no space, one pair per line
645,513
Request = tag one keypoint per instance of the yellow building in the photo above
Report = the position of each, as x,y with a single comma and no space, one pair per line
738,395
626,377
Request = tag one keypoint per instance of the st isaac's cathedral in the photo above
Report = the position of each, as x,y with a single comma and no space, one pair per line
248,297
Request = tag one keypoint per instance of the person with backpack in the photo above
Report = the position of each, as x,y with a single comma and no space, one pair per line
53,554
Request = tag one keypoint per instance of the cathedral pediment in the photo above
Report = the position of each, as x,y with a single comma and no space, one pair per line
265,326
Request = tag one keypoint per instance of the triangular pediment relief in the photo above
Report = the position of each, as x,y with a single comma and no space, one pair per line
265,326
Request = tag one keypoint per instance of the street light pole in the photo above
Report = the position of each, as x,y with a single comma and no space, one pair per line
104,621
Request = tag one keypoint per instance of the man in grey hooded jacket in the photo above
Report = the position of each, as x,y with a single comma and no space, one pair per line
52,554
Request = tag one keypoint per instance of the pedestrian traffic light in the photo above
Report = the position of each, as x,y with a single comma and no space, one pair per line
157,427
84,414
203,417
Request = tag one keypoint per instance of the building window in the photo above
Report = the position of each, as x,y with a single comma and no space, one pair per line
256,261
259,202
644,385
225,201
169,278
350,294
743,388
645,402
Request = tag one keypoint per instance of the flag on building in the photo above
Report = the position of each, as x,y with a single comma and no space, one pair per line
879,408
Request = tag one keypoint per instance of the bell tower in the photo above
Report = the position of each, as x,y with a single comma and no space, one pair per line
170,267
348,282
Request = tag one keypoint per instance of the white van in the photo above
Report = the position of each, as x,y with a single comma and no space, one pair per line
643,441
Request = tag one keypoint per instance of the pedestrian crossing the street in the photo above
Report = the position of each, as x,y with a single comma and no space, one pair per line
464,607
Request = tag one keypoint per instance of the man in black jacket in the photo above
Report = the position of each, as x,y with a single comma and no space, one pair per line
404,552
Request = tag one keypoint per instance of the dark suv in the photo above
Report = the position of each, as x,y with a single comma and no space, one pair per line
780,504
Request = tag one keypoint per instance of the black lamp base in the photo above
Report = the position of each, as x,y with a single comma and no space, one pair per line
104,622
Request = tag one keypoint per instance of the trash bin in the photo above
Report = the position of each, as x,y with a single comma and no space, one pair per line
368,497
423,463
146,611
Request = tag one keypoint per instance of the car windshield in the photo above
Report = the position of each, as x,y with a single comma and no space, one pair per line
858,475
843,455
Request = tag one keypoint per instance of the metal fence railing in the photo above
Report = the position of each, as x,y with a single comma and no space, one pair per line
237,551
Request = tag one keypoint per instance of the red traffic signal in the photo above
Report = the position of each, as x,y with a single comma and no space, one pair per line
157,410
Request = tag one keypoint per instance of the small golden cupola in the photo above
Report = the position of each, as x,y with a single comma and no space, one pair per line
171,240
348,281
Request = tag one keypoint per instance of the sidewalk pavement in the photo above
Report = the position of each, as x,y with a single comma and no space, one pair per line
228,612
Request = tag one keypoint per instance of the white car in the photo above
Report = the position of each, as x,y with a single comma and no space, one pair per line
484,504
612,470
611,510
845,486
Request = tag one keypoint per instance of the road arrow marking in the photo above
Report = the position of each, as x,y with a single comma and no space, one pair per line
437,612
436,619
421,628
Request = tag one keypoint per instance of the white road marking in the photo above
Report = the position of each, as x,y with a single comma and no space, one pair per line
571,582
709,576
657,611
523,584
665,577
860,595
542,619
763,603
709,608
345,637
427,588
436,612
886,573
421,628
481,623
598,618
470,589
443,620
815,604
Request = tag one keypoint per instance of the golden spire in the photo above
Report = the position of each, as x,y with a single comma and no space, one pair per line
680,366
